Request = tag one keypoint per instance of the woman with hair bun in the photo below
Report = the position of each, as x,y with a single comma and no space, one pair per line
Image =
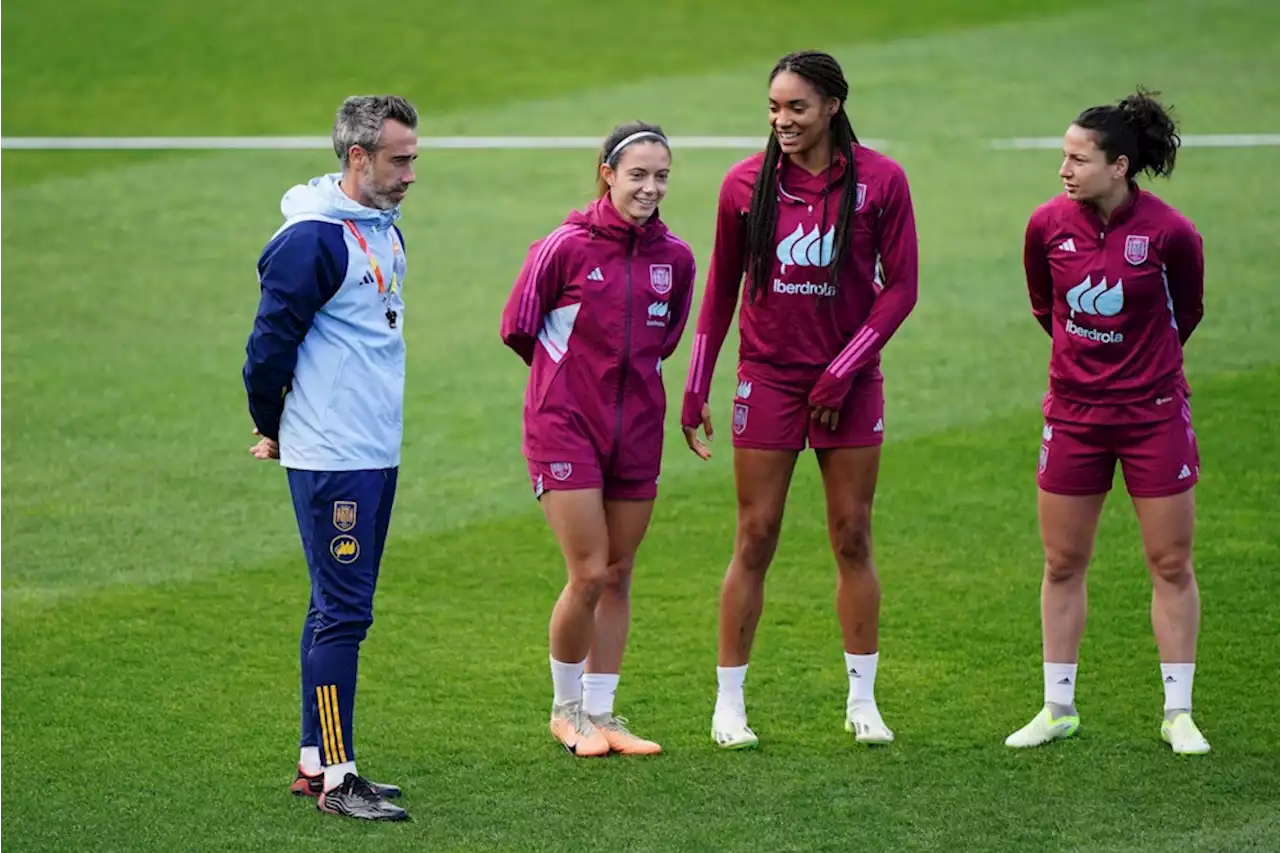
1116,278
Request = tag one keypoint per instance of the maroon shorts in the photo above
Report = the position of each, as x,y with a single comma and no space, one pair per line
570,476
1158,459
771,416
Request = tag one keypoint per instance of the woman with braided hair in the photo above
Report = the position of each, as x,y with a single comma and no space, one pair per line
823,229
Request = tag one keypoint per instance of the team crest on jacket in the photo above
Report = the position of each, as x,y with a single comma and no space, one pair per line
860,200
660,278
562,470
739,418
1135,249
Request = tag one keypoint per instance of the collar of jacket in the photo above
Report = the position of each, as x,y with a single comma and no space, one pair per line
603,219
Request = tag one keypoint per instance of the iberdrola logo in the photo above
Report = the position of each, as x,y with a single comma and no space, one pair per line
806,250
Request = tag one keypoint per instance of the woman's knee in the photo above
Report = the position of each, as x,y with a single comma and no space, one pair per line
851,539
1065,564
588,576
1172,565
757,540
618,576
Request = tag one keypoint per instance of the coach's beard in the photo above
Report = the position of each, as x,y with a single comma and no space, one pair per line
379,198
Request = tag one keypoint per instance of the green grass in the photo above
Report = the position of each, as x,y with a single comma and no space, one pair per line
181,679
154,589
131,67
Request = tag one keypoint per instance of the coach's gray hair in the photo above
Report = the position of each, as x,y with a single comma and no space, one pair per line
360,120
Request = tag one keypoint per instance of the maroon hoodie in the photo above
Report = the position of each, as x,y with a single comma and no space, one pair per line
598,305
1120,300
804,331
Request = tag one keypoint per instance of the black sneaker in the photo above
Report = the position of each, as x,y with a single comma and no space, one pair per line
313,786
355,797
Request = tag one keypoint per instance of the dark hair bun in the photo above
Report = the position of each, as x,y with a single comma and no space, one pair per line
1155,130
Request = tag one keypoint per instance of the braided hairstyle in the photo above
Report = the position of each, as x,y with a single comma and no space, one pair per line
824,73
1138,127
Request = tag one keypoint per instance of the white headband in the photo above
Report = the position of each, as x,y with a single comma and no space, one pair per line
612,159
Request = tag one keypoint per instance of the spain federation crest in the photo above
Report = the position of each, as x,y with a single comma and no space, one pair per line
562,470
739,418
1135,249
344,516
660,278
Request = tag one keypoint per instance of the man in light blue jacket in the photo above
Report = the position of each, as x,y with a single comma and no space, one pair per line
325,378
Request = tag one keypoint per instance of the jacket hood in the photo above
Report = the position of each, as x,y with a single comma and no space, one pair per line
323,196
601,217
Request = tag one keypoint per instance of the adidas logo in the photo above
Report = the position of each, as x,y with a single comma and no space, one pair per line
854,673
1184,473
595,275
879,427
1065,681
1067,245
1171,680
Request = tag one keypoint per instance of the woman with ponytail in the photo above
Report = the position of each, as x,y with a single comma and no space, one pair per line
823,229
1116,278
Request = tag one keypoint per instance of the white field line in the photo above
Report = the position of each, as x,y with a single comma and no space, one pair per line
1210,140
321,143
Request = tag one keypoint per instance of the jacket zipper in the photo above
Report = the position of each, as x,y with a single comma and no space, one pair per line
626,358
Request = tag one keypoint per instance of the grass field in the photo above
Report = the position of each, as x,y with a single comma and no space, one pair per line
154,587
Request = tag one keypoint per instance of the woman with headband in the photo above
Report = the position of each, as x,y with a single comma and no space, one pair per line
823,228
599,304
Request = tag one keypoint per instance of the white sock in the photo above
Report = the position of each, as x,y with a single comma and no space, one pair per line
729,695
598,689
1060,683
567,680
1177,679
862,676
335,773
309,760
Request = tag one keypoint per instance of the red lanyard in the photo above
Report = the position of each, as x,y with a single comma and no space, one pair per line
373,262
377,270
